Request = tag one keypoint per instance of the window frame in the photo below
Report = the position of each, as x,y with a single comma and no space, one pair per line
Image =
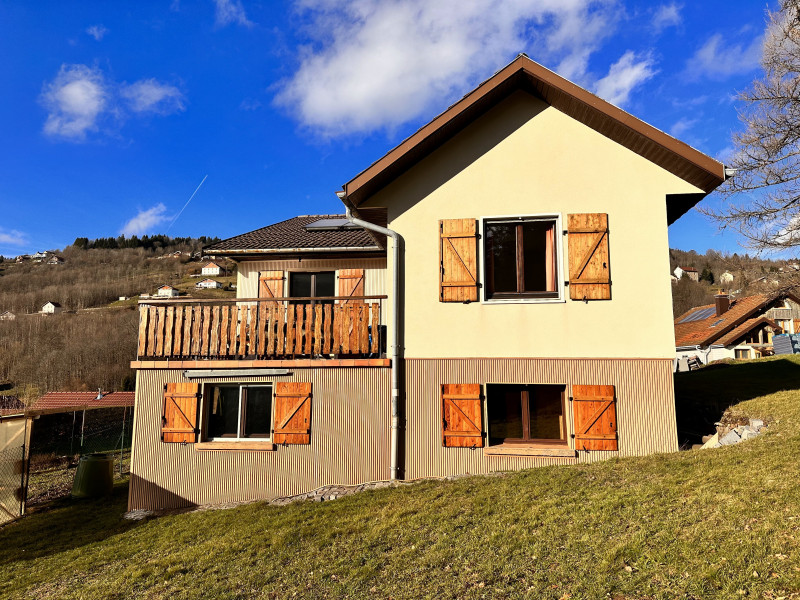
206,413
511,443
313,273
528,297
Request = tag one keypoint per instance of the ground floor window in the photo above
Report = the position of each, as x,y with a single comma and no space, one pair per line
239,412
524,413
742,354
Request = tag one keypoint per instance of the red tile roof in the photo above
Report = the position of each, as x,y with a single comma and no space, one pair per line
69,401
748,325
707,331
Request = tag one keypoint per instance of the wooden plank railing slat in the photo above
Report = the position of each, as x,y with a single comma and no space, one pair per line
224,324
309,329
243,312
298,336
376,327
178,339
232,333
261,329
160,311
205,329
317,329
196,319
214,348
168,330
187,330
142,347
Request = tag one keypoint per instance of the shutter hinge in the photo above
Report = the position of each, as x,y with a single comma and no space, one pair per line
565,232
572,435
570,398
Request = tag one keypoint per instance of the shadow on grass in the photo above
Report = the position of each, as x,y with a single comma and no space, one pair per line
701,397
68,524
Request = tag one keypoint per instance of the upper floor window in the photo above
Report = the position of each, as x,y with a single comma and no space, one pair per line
303,284
520,257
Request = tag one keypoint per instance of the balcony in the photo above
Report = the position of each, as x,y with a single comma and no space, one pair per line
259,329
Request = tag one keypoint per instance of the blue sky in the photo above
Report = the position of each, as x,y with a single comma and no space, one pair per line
112,113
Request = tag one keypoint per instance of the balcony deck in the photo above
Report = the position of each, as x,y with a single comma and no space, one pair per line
316,329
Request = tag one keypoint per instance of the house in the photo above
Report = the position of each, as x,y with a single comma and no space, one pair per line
167,291
22,258
55,260
462,316
40,257
690,272
208,284
211,268
7,316
51,308
737,328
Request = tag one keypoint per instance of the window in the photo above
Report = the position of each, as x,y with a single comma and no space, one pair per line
520,256
520,414
303,284
239,412
742,354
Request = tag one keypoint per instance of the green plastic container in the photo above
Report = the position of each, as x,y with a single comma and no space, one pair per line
94,477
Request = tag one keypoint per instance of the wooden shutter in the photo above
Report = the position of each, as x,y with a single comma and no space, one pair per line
595,417
292,412
462,416
351,283
270,284
589,267
179,417
458,260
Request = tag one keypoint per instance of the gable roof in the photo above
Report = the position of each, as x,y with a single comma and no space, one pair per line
714,329
688,269
745,328
653,144
211,264
291,236
168,286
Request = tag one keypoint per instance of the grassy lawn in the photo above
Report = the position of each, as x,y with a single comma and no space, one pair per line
699,524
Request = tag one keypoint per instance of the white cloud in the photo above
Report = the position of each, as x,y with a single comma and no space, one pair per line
682,126
82,100
149,95
230,12
74,101
623,76
145,221
716,60
97,32
374,64
12,237
667,15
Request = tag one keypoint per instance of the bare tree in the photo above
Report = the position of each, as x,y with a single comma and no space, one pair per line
764,195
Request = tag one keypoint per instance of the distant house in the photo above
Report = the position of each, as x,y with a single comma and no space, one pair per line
740,328
55,260
40,256
22,258
211,268
7,316
51,308
208,284
690,272
167,291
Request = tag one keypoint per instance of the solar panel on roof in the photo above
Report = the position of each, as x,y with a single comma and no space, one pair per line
717,322
699,315
330,225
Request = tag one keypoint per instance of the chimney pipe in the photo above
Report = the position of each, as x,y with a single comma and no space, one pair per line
723,303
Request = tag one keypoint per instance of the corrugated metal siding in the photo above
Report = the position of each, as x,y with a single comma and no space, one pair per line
645,408
374,272
349,444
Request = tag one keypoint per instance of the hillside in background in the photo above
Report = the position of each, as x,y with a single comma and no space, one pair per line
751,275
91,343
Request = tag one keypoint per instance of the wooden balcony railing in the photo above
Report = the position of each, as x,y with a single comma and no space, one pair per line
261,329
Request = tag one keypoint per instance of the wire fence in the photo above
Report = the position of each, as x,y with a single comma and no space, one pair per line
59,440
12,480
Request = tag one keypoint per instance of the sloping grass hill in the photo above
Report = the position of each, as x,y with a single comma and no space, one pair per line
699,524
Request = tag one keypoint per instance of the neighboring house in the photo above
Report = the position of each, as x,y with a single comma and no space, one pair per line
483,335
211,269
40,257
22,258
7,316
167,291
690,272
738,328
61,402
208,284
51,308
55,260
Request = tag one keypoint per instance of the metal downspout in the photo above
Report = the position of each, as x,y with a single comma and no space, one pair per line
396,345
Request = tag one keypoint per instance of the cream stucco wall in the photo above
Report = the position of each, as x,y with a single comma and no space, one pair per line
522,158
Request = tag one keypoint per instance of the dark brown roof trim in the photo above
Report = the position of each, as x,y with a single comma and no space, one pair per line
653,144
